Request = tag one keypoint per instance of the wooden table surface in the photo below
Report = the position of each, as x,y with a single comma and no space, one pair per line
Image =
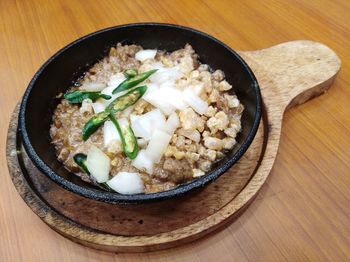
303,211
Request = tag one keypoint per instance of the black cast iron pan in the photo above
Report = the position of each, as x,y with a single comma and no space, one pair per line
64,68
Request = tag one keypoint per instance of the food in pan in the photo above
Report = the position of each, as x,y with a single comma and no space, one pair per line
144,121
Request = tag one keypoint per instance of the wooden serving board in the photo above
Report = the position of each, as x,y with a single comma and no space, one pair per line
288,74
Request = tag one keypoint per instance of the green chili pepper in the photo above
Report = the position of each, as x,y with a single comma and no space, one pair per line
130,73
129,141
78,96
119,104
93,124
124,101
80,160
133,81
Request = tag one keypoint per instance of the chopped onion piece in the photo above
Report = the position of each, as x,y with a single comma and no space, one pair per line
151,87
145,54
143,163
157,145
198,88
172,123
108,90
93,86
167,98
158,65
98,164
86,106
141,129
133,117
155,98
127,183
144,125
115,80
98,106
166,75
198,105
110,133
173,96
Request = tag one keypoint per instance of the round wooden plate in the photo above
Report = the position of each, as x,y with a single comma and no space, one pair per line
289,74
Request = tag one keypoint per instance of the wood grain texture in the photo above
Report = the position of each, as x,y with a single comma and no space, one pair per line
301,214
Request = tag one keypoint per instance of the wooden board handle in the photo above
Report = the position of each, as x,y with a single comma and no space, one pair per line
295,71
288,74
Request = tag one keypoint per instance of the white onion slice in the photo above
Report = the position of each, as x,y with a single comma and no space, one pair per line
172,123
198,88
173,96
110,133
116,79
86,106
158,65
198,105
145,54
93,86
98,164
151,87
167,98
156,99
141,129
144,125
98,106
166,75
108,90
127,183
143,163
157,145
133,117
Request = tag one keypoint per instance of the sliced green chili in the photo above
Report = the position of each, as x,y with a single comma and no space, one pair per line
78,96
129,141
80,160
117,105
124,101
133,81
93,124
130,73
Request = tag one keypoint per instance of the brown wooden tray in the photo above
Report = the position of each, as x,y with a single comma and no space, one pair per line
288,74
